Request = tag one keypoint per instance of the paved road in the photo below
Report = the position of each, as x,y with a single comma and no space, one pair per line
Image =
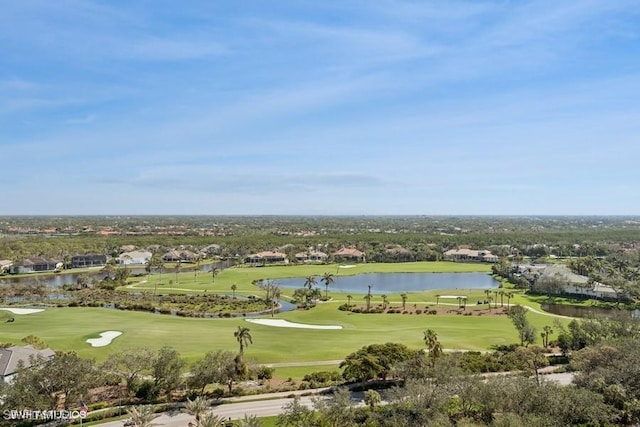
266,408
263,408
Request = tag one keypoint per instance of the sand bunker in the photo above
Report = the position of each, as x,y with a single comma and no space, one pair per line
281,323
23,310
347,266
105,338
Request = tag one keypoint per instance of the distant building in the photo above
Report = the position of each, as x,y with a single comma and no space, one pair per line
5,265
11,357
469,255
179,255
88,260
134,257
349,254
266,257
575,284
311,256
34,265
212,249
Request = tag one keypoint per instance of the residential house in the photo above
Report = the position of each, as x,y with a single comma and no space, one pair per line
575,284
179,256
133,257
5,265
398,254
88,260
311,257
470,255
212,249
349,254
34,265
266,257
11,358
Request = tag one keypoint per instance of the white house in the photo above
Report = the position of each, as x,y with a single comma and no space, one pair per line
464,254
133,257
576,284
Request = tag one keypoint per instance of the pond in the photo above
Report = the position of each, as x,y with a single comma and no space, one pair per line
68,277
582,311
400,282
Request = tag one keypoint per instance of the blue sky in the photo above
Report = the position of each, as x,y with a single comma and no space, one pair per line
336,107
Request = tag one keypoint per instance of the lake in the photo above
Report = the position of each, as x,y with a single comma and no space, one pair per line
68,277
582,311
384,283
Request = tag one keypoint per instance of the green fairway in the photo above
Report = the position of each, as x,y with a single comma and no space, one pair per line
68,329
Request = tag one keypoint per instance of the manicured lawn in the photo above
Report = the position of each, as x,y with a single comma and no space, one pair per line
269,421
298,372
68,328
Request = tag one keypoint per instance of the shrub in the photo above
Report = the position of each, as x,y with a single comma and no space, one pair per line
217,393
238,391
264,372
418,311
322,377
147,390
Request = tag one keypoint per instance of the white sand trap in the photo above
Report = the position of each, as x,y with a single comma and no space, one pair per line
347,266
23,310
105,338
281,323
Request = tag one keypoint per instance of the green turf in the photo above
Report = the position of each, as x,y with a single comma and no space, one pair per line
269,421
298,372
68,328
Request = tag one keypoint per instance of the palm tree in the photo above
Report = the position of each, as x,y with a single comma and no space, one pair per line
141,416
372,398
250,421
501,298
211,420
177,269
275,296
328,279
349,298
309,282
487,293
243,337
368,298
196,407
509,295
147,268
214,272
234,287
433,345
404,300
195,271
384,302
546,331
437,299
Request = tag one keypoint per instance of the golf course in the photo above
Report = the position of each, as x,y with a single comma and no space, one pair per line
69,328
